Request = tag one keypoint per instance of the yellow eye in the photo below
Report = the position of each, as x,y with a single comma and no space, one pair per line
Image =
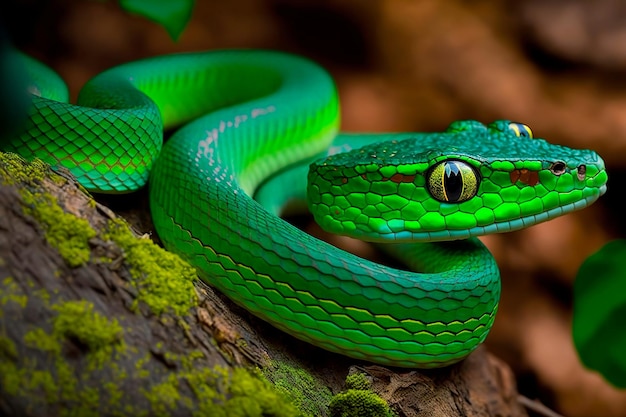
521,130
452,181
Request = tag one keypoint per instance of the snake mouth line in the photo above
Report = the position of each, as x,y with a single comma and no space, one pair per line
516,224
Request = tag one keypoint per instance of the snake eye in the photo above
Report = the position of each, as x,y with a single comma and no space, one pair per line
452,181
521,130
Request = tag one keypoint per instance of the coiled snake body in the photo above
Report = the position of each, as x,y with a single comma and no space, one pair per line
256,113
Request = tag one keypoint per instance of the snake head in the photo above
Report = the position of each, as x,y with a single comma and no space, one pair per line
469,180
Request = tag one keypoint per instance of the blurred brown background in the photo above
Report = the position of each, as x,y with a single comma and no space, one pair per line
416,65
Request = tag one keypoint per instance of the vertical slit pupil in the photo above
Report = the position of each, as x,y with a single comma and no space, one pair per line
453,181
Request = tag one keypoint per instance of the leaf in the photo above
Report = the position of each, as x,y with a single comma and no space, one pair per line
600,312
173,15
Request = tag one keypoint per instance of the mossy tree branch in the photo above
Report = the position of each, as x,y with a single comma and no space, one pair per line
97,321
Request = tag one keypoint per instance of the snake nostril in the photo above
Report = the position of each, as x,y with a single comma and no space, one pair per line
582,172
558,168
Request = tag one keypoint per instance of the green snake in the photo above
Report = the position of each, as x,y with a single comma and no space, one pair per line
253,123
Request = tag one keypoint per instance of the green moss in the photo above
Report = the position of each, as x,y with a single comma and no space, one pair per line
65,232
77,320
163,280
8,350
358,400
60,384
164,397
250,392
10,378
307,393
43,295
10,292
217,392
358,381
14,169
39,339
113,392
140,371
247,393
41,382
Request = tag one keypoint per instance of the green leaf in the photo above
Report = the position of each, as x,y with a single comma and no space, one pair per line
600,312
173,15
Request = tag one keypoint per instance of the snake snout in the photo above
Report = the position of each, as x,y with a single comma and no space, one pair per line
592,172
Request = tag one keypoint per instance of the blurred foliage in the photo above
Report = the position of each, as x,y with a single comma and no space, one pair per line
599,312
14,103
173,15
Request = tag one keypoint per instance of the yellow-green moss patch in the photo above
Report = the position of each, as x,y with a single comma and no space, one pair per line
8,349
358,400
358,381
77,320
63,231
38,338
164,281
216,391
10,292
51,380
14,169
307,393
246,393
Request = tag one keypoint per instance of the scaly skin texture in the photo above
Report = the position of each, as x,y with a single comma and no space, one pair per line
266,111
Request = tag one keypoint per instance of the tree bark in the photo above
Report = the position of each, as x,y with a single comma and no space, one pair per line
84,337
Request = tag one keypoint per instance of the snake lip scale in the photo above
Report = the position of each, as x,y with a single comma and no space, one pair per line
253,123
